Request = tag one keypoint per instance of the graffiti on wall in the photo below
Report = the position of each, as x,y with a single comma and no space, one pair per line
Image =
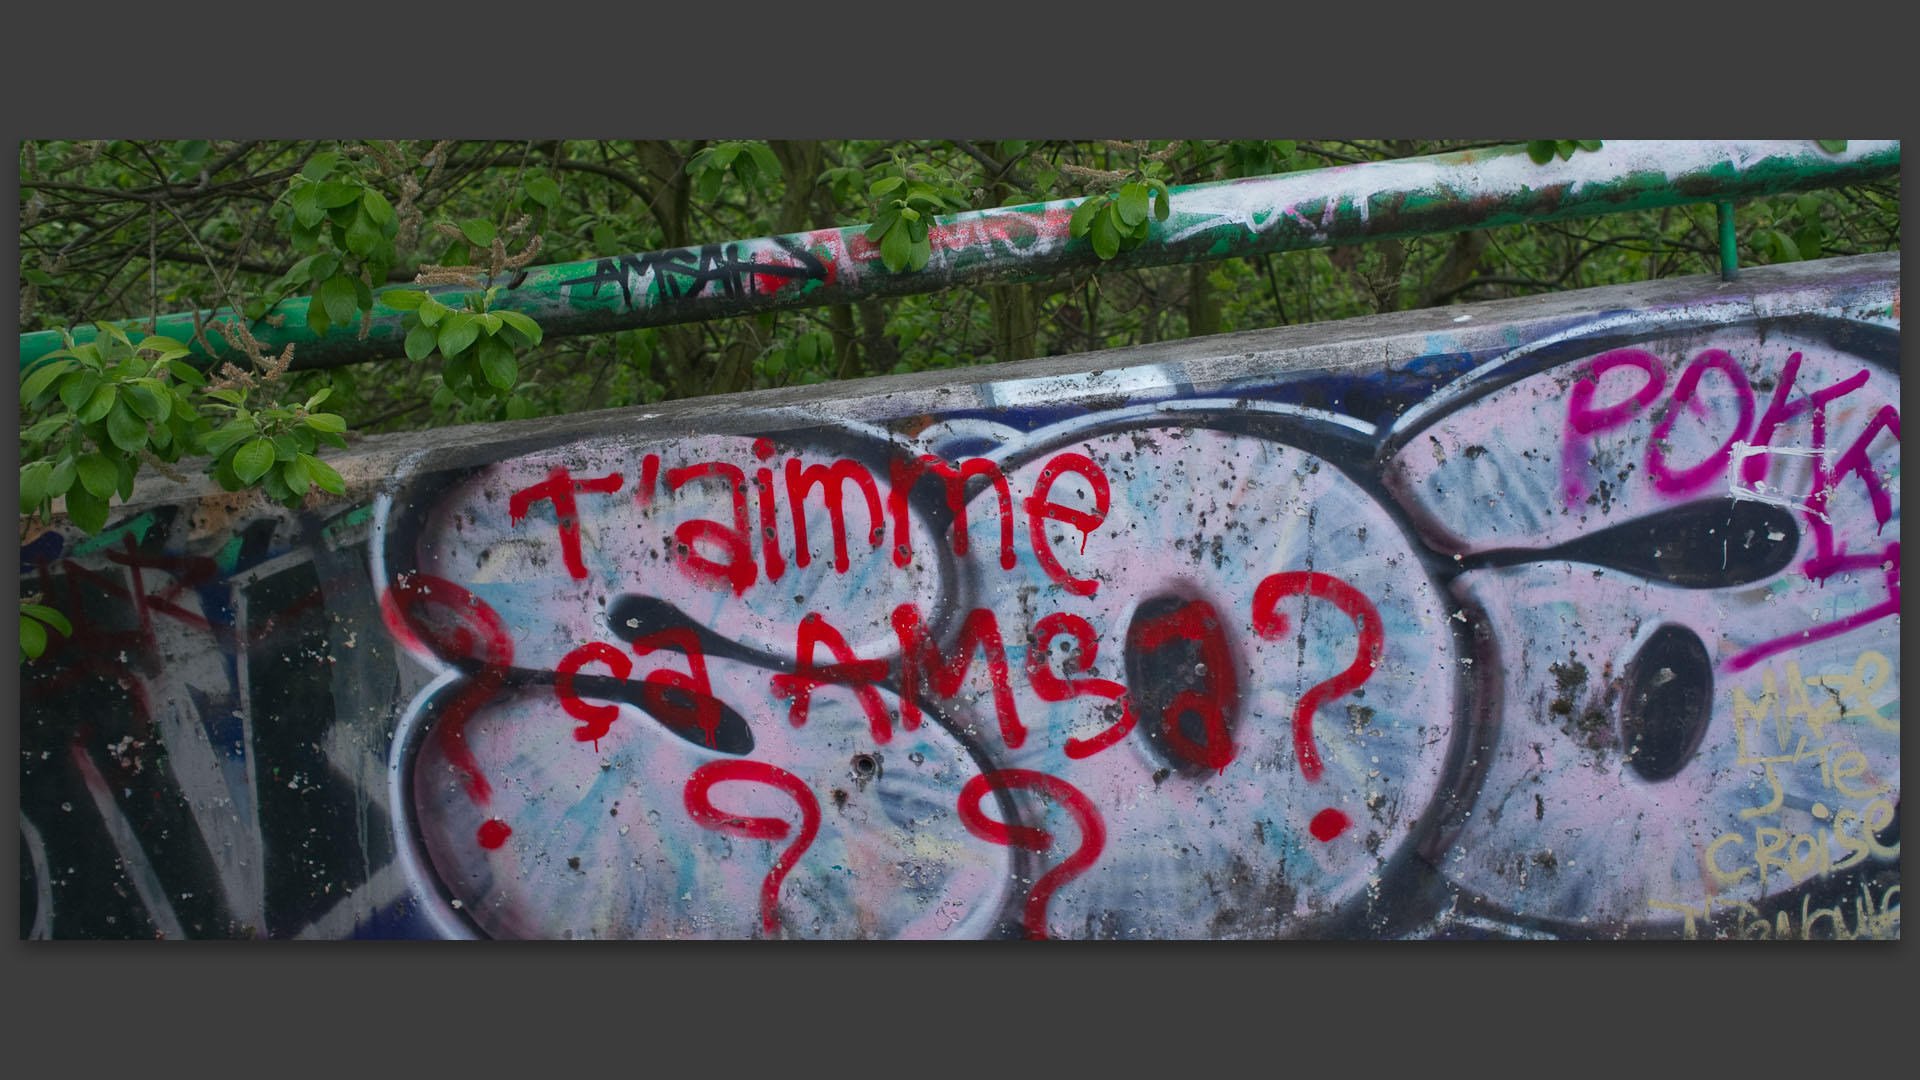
1587,632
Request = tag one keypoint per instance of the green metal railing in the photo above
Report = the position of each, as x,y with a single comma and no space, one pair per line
1290,212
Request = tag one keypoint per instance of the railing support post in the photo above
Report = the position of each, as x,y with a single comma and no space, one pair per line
1729,245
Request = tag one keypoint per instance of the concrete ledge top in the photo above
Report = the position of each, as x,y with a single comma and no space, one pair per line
1346,345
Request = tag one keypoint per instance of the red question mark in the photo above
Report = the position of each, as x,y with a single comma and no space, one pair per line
758,772
1270,623
1093,833
478,633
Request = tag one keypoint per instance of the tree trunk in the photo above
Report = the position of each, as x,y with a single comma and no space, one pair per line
800,161
846,349
881,353
1016,321
1203,308
1384,283
1458,268
1012,310
667,169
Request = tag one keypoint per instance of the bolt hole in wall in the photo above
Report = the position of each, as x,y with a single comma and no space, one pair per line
1579,620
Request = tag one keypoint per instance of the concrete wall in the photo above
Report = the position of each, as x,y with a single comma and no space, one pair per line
1575,616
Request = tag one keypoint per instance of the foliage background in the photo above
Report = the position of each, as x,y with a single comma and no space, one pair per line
124,229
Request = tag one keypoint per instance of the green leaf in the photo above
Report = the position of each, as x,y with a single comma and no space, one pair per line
224,476
164,348
1810,240
403,299
326,421
127,431
86,510
333,194
317,320
128,468
378,209
42,377
543,191
284,447
478,231
526,326
1132,204
1162,205
319,166
294,475
216,442
37,277
33,485
150,399
319,396
1565,148
322,267
457,371
896,248
920,252
307,210
186,373
99,405
50,616
1541,151
323,474
253,460
363,236
1082,219
1106,238
340,299
497,364
489,322
33,638
62,478
77,388
1832,146
274,486
883,185
1588,144
763,157
457,332
882,225
420,342
44,429
432,311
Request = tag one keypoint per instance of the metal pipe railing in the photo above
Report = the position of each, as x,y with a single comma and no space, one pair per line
1290,212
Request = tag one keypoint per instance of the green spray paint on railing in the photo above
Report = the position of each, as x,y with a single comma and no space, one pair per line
1290,212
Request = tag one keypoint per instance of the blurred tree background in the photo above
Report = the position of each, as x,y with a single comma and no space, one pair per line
127,229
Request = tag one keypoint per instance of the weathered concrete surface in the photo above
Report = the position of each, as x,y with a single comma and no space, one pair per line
1575,616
